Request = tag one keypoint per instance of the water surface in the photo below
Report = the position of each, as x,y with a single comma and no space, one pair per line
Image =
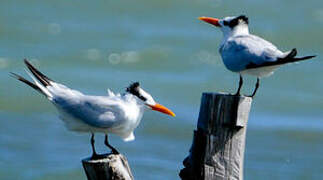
95,45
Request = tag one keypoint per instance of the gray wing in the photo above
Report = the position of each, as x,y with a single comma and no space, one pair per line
241,51
96,111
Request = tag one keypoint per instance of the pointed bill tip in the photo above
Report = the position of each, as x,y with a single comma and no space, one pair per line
210,20
172,114
162,109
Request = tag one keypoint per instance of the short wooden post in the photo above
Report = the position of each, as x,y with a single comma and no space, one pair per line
217,150
108,167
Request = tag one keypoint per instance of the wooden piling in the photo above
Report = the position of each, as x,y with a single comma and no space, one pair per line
107,167
217,151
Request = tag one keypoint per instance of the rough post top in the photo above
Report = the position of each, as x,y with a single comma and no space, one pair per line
222,110
225,94
107,167
104,158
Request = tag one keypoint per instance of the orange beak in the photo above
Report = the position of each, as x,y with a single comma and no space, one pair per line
161,108
210,20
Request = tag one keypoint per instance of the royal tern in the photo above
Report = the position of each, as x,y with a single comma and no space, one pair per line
114,113
245,53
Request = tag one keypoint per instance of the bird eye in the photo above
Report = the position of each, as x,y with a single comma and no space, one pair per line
142,98
225,23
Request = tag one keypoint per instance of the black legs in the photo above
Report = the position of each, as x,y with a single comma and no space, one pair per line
94,154
106,142
257,86
240,85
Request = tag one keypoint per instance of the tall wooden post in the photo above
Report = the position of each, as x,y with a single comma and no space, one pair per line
218,146
107,167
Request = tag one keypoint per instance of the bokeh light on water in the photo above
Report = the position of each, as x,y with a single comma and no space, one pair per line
95,45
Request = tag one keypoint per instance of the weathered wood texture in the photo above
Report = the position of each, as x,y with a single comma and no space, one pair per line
217,150
108,167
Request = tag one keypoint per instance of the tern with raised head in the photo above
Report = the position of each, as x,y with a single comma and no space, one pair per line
119,114
245,53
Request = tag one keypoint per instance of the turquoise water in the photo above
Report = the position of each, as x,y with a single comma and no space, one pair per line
95,45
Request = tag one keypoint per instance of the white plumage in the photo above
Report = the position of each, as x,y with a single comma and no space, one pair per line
245,53
119,114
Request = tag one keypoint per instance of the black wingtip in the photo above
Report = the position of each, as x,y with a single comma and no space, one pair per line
40,76
14,75
20,78
26,61
28,64
306,57
292,54
294,50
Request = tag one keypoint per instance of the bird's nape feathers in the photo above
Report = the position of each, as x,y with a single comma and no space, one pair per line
134,90
236,21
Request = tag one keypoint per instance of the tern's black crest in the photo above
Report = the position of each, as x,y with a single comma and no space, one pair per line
234,22
134,90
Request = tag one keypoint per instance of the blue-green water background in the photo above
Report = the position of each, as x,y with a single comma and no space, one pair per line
95,45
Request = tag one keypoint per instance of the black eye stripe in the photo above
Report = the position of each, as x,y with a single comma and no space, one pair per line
142,98
225,23
234,22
